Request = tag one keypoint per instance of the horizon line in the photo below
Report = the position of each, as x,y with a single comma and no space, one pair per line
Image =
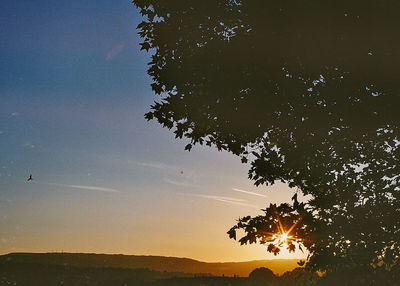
147,255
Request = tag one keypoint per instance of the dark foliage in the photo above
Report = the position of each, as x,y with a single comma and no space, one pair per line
43,274
162,264
31,274
297,222
262,276
308,92
298,277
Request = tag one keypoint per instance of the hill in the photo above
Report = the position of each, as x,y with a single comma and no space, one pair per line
32,274
156,263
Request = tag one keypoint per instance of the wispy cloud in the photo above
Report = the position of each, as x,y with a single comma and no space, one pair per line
176,175
228,200
29,145
93,188
188,175
115,51
156,165
84,187
178,183
250,193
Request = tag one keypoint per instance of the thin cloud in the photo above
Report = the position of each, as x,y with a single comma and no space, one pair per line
93,188
162,166
181,175
178,183
29,145
84,187
156,165
115,51
250,193
228,200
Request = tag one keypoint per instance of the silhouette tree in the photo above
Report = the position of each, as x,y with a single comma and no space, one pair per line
307,93
262,276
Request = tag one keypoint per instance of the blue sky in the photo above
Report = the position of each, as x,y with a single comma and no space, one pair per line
73,92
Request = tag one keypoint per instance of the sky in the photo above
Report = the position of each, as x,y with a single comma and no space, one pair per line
73,94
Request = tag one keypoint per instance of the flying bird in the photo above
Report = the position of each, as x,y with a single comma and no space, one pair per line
30,178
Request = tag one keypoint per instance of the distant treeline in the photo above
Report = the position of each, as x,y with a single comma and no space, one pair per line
31,274
44,274
157,263
122,270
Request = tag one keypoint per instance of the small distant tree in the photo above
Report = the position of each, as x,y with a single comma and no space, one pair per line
307,93
262,276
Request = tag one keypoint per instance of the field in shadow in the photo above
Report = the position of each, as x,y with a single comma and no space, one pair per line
101,269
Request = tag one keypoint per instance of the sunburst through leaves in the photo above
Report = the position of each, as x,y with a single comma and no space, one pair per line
278,228
282,238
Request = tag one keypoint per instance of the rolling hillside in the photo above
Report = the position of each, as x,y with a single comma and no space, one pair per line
157,263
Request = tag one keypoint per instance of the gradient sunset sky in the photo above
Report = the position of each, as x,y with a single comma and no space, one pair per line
73,92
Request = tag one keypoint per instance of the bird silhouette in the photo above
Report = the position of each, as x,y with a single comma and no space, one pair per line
30,178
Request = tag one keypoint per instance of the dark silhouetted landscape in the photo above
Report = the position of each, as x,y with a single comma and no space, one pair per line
116,269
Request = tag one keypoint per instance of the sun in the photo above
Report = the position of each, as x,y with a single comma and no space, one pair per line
281,238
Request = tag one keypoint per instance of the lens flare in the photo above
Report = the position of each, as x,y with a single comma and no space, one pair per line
282,239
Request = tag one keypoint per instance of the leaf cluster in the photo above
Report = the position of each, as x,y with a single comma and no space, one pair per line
276,219
307,93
